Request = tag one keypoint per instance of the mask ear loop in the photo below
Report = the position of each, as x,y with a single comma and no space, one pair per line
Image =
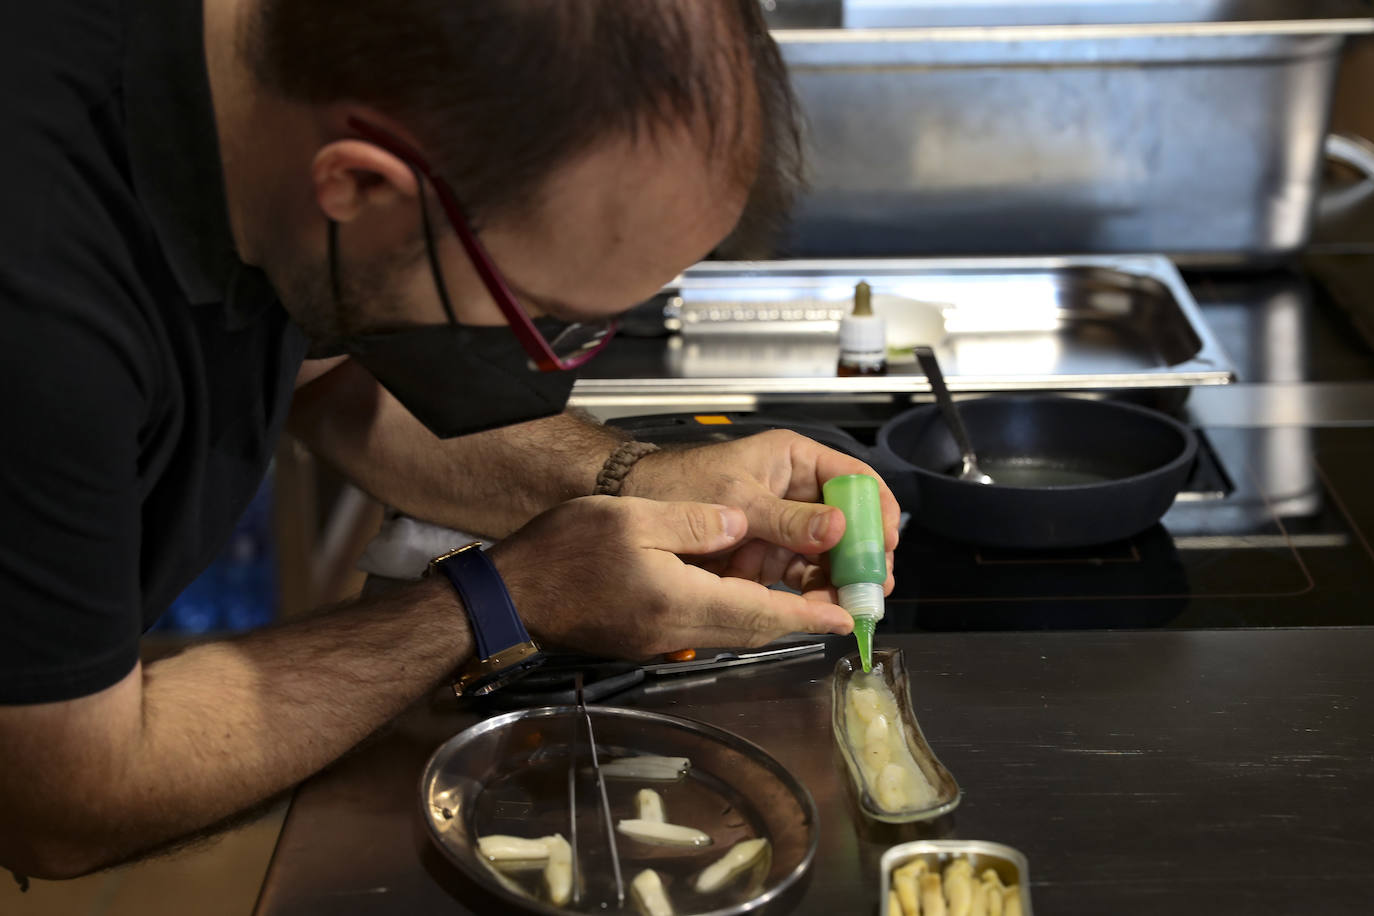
332,246
434,267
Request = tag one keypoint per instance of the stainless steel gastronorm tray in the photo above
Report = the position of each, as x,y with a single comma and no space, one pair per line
1006,324
1193,127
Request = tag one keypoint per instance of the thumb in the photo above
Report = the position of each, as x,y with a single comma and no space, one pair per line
801,527
688,528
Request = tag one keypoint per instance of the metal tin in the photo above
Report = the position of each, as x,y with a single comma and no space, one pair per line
1010,864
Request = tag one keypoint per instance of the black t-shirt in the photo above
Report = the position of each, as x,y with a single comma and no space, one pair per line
145,372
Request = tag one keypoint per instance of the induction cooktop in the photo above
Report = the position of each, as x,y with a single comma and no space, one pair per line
1263,535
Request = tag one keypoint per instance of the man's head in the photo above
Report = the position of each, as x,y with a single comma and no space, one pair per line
598,147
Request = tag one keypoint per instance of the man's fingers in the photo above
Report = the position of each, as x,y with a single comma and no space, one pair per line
798,527
684,528
801,575
750,606
830,463
747,561
813,579
776,560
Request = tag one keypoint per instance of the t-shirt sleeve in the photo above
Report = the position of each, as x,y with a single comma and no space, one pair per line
71,410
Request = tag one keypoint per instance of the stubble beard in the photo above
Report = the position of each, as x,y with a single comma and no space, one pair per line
363,306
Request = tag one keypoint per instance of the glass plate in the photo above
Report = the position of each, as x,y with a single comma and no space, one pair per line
509,775
890,667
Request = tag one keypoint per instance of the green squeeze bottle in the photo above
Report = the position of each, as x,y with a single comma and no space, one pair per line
858,563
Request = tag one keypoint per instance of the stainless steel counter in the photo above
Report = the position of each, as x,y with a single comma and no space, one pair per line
1267,406
1141,772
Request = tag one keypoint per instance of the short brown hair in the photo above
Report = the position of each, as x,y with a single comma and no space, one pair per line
501,92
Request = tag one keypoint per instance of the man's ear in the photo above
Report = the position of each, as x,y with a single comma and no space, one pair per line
352,175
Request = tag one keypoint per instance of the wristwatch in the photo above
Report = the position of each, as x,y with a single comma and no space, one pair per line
505,650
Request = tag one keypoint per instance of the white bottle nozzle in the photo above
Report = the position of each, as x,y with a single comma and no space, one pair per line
862,599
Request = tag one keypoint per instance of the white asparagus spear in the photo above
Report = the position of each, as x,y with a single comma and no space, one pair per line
516,866
993,882
877,749
892,787
959,887
894,903
904,880
558,874
650,805
864,702
649,894
648,767
500,848
978,906
665,834
740,858
1011,900
932,898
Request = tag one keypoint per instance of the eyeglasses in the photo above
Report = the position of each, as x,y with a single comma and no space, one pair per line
571,347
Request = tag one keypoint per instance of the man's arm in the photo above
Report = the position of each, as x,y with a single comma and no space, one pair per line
492,483
191,739
488,483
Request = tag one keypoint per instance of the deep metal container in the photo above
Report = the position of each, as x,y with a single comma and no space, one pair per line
978,128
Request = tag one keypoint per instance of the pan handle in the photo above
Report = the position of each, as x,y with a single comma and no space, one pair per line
1357,153
1351,150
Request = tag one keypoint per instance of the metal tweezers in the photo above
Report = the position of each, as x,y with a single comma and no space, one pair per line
612,677
584,716
733,660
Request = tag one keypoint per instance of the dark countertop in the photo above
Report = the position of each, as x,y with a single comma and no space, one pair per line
1140,772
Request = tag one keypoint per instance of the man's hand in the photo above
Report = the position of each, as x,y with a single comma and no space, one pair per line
603,574
775,478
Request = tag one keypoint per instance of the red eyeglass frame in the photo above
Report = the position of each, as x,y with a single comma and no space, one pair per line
540,351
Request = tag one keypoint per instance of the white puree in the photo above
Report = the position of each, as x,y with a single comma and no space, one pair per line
874,729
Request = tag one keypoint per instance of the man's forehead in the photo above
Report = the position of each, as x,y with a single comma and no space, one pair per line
663,179
618,222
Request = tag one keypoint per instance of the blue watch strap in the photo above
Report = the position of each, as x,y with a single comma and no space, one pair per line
495,624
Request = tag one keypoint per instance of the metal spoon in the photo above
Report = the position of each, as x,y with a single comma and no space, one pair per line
931,367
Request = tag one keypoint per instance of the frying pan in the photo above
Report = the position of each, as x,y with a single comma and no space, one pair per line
1074,472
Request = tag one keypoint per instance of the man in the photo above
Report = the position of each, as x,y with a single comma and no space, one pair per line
194,198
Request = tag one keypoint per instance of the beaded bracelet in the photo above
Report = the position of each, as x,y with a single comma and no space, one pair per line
613,472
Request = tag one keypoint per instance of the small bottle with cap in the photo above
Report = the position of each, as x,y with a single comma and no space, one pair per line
858,563
863,337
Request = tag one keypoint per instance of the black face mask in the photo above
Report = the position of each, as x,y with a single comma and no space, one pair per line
459,379
456,379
